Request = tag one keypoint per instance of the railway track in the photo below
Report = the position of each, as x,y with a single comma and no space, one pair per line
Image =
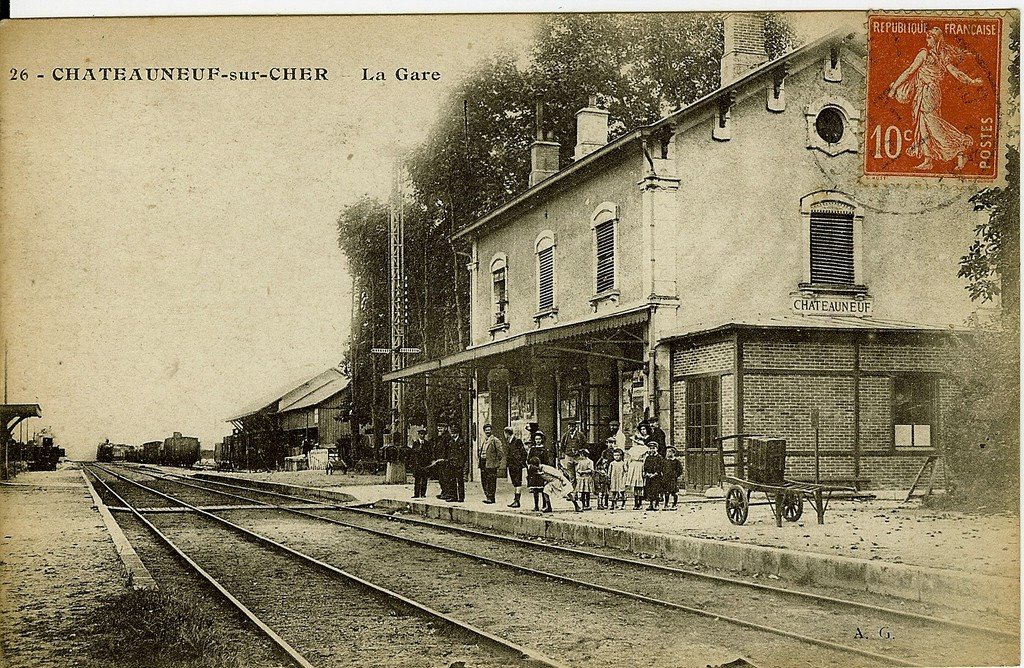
260,578
839,625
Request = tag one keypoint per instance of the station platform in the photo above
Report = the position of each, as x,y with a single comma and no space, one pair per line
882,546
57,564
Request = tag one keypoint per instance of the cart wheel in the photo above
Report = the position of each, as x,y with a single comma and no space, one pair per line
736,504
792,506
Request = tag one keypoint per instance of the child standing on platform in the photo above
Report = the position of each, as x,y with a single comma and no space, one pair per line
653,466
601,488
670,479
584,478
617,472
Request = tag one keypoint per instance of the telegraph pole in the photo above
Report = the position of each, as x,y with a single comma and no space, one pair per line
396,220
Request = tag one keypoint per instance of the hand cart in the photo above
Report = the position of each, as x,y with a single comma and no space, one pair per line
758,464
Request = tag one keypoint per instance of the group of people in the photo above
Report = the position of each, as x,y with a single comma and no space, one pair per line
443,457
641,466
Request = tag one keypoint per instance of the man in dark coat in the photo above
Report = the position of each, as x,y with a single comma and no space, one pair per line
657,434
419,460
515,460
439,454
458,457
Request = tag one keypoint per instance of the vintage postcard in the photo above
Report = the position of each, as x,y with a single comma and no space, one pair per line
459,340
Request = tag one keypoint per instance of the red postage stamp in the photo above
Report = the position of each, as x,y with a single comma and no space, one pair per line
933,96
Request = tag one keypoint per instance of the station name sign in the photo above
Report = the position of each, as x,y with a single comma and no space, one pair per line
842,306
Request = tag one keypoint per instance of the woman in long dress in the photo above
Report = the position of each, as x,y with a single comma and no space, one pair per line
921,85
636,452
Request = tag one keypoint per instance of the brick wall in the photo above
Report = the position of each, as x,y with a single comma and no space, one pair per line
710,358
875,413
802,466
727,406
679,413
904,357
780,405
797,355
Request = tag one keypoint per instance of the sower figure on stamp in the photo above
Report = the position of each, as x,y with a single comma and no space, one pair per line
921,85
490,461
515,461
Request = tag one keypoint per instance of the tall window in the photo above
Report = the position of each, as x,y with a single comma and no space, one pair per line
605,239
499,290
545,271
913,410
832,243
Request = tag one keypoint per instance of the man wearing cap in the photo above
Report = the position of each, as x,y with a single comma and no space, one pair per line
439,455
419,460
658,434
458,456
490,461
573,442
515,462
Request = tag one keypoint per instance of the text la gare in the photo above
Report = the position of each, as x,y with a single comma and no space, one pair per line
402,74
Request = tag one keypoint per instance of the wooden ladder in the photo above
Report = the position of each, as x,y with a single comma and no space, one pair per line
932,461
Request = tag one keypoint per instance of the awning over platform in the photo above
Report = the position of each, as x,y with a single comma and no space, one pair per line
12,414
633,316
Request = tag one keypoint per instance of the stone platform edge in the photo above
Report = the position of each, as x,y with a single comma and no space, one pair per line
281,487
921,583
135,572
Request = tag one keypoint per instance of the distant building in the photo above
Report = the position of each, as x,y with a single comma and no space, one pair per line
310,415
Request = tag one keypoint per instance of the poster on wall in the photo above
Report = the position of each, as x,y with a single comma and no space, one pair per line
634,400
522,408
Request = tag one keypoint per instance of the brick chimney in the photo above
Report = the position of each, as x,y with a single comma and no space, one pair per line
744,45
591,129
543,152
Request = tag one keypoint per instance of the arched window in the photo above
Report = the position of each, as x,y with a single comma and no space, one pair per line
545,250
499,289
605,246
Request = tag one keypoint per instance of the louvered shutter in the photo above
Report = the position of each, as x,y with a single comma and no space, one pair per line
605,237
832,247
546,279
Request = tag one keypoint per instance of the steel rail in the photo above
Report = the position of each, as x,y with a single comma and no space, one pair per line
702,612
820,598
281,643
519,651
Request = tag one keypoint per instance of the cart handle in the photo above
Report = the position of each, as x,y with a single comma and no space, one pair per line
732,436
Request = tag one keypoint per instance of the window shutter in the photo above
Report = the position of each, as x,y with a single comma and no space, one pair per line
605,238
546,279
832,247
500,295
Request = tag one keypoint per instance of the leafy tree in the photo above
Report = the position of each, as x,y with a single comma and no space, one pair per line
982,419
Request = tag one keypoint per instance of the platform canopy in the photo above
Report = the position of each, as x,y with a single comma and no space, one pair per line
12,414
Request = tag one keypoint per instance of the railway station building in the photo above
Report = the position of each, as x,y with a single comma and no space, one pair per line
305,416
727,269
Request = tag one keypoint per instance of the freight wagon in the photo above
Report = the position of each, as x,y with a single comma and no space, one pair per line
180,450
151,452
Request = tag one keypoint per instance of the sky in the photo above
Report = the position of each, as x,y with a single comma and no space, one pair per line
168,250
